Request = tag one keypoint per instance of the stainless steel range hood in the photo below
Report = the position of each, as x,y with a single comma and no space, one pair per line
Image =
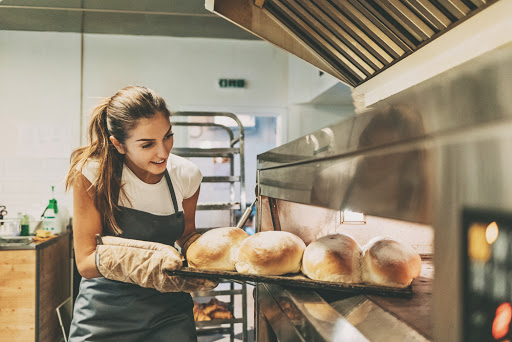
353,40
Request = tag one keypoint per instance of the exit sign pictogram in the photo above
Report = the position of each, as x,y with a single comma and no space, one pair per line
231,83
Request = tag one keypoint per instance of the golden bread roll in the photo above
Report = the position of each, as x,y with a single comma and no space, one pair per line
199,315
216,249
213,305
389,263
221,314
270,253
334,257
203,317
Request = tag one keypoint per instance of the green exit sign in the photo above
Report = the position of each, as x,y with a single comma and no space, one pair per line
231,83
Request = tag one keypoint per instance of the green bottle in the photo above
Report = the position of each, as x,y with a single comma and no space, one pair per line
50,222
25,227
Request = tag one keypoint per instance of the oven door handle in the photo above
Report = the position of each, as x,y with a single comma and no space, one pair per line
246,214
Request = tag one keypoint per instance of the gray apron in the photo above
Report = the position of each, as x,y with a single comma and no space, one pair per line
108,310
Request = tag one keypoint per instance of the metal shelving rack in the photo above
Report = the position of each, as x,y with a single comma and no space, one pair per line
236,147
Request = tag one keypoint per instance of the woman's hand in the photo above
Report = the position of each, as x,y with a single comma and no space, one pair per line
145,264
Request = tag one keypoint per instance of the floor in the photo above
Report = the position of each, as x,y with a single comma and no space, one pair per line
238,314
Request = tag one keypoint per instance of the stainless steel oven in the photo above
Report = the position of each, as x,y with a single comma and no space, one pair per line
425,166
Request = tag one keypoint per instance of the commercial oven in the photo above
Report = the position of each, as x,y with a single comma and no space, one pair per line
427,166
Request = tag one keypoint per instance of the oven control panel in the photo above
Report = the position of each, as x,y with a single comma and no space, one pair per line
487,275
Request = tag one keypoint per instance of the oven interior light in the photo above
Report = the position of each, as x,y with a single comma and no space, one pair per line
352,217
501,321
478,247
491,233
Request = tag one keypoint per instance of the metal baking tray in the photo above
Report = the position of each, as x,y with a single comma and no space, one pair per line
295,280
8,241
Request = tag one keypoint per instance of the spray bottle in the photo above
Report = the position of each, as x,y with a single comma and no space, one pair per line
50,221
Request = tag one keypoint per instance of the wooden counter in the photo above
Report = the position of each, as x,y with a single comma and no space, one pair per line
34,280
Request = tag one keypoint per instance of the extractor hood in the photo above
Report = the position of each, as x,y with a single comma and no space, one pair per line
353,40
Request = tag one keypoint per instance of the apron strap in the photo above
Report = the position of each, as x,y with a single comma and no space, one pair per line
169,185
171,190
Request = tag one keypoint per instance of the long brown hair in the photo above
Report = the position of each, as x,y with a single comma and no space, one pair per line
115,116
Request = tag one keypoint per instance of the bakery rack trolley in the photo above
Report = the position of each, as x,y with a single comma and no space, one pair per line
235,147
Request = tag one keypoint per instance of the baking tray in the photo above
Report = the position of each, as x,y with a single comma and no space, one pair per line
295,280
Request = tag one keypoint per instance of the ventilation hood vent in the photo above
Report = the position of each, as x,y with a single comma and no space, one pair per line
353,40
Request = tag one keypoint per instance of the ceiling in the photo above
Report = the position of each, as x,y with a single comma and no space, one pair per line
175,18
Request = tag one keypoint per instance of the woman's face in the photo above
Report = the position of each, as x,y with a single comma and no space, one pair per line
148,146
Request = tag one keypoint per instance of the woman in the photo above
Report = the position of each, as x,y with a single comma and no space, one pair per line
127,184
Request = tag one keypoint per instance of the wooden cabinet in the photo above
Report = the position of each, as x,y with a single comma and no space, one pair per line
34,280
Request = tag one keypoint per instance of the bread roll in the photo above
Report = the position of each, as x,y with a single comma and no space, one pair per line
334,257
389,263
270,253
216,249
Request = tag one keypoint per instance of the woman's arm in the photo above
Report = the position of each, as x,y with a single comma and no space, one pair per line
86,224
189,210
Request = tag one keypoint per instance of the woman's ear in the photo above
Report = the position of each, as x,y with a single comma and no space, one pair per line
119,147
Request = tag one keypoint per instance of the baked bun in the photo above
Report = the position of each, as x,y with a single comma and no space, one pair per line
389,263
216,249
270,253
334,257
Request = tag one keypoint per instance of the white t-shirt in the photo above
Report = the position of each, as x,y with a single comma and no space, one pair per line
155,198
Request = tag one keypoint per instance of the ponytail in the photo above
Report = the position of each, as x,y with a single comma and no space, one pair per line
107,184
115,116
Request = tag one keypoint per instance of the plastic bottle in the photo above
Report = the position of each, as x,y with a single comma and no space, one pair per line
25,228
50,222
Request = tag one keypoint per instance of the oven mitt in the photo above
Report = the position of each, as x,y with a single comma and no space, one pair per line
144,263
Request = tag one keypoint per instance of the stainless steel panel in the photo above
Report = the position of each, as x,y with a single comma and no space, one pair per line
306,316
279,322
330,37
392,183
423,155
456,7
374,322
317,42
373,24
407,19
479,2
318,144
354,30
472,172
406,42
430,13
470,95
345,36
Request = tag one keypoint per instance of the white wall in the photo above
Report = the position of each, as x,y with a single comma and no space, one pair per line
40,84
308,110
42,112
305,81
308,118
185,71
39,113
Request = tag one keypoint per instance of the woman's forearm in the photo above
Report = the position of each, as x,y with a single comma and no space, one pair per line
87,266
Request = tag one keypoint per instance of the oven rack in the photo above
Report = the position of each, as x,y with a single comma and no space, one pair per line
236,148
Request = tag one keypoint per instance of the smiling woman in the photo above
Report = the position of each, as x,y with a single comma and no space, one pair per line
147,148
127,184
